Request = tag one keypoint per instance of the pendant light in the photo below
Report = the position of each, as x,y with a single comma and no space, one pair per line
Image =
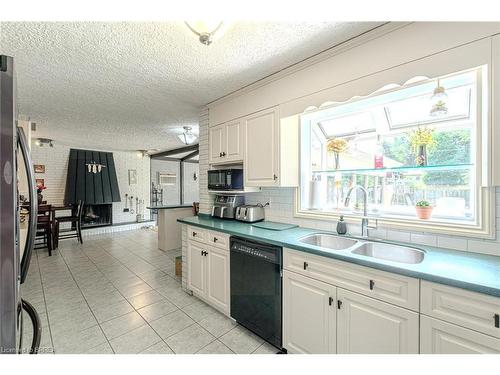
438,101
205,30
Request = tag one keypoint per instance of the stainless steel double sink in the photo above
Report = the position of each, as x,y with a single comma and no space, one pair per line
373,249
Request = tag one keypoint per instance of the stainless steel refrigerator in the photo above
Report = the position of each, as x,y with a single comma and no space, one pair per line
16,241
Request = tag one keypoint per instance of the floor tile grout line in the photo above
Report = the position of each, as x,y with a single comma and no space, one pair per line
83,295
45,303
178,308
77,264
91,260
151,286
215,338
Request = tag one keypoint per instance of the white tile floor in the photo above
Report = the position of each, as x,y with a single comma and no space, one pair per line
117,293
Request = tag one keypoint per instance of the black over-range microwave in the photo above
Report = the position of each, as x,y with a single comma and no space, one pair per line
225,179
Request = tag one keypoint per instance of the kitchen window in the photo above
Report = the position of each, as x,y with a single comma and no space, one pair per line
414,148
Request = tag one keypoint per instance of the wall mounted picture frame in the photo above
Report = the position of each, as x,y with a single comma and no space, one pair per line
40,182
39,168
132,176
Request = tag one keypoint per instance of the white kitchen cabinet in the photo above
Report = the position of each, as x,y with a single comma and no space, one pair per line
196,280
208,270
309,315
439,337
233,150
217,264
262,148
271,149
476,311
226,143
368,326
389,287
216,143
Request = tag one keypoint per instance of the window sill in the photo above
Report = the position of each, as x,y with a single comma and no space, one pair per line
484,228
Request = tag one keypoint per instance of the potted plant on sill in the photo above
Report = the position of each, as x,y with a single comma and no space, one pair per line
424,210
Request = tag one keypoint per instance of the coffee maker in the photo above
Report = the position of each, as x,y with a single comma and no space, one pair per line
225,205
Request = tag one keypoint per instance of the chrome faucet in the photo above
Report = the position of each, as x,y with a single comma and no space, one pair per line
364,220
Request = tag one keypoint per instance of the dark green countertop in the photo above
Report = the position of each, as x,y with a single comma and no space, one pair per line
471,271
169,207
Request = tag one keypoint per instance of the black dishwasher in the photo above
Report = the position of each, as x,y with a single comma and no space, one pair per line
256,288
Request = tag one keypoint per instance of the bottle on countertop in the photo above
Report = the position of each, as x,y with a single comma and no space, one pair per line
341,226
379,154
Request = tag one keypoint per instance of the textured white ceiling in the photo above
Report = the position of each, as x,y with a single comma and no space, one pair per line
132,85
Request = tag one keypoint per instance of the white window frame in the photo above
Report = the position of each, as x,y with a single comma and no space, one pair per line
484,225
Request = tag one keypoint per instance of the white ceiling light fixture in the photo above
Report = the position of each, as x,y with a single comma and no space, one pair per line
187,137
206,30
438,101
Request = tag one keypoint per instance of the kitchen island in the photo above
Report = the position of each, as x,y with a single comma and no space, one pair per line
169,230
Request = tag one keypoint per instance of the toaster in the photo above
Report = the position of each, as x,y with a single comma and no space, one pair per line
249,213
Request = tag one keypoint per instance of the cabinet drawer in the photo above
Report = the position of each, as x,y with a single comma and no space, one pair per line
396,289
218,239
197,234
438,337
467,309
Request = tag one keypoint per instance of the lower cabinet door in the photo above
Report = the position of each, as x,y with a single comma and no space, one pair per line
438,337
309,311
196,278
218,278
368,326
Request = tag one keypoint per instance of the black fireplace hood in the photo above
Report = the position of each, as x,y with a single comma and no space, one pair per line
91,178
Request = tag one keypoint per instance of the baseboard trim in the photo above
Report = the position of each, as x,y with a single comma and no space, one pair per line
119,227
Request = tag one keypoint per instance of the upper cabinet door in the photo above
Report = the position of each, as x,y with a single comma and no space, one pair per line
262,148
233,150
368,326
216,141
309,310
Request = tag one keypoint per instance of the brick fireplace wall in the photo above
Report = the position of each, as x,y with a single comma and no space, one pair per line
56,160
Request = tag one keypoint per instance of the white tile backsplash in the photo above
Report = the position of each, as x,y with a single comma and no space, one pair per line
455,243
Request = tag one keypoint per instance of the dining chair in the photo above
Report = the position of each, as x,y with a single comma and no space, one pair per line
44,235
75,231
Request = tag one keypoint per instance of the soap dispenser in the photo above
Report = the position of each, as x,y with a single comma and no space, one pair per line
341,226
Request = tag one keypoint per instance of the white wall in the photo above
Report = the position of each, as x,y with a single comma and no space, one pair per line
171,193
404,45
56,160
191,186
